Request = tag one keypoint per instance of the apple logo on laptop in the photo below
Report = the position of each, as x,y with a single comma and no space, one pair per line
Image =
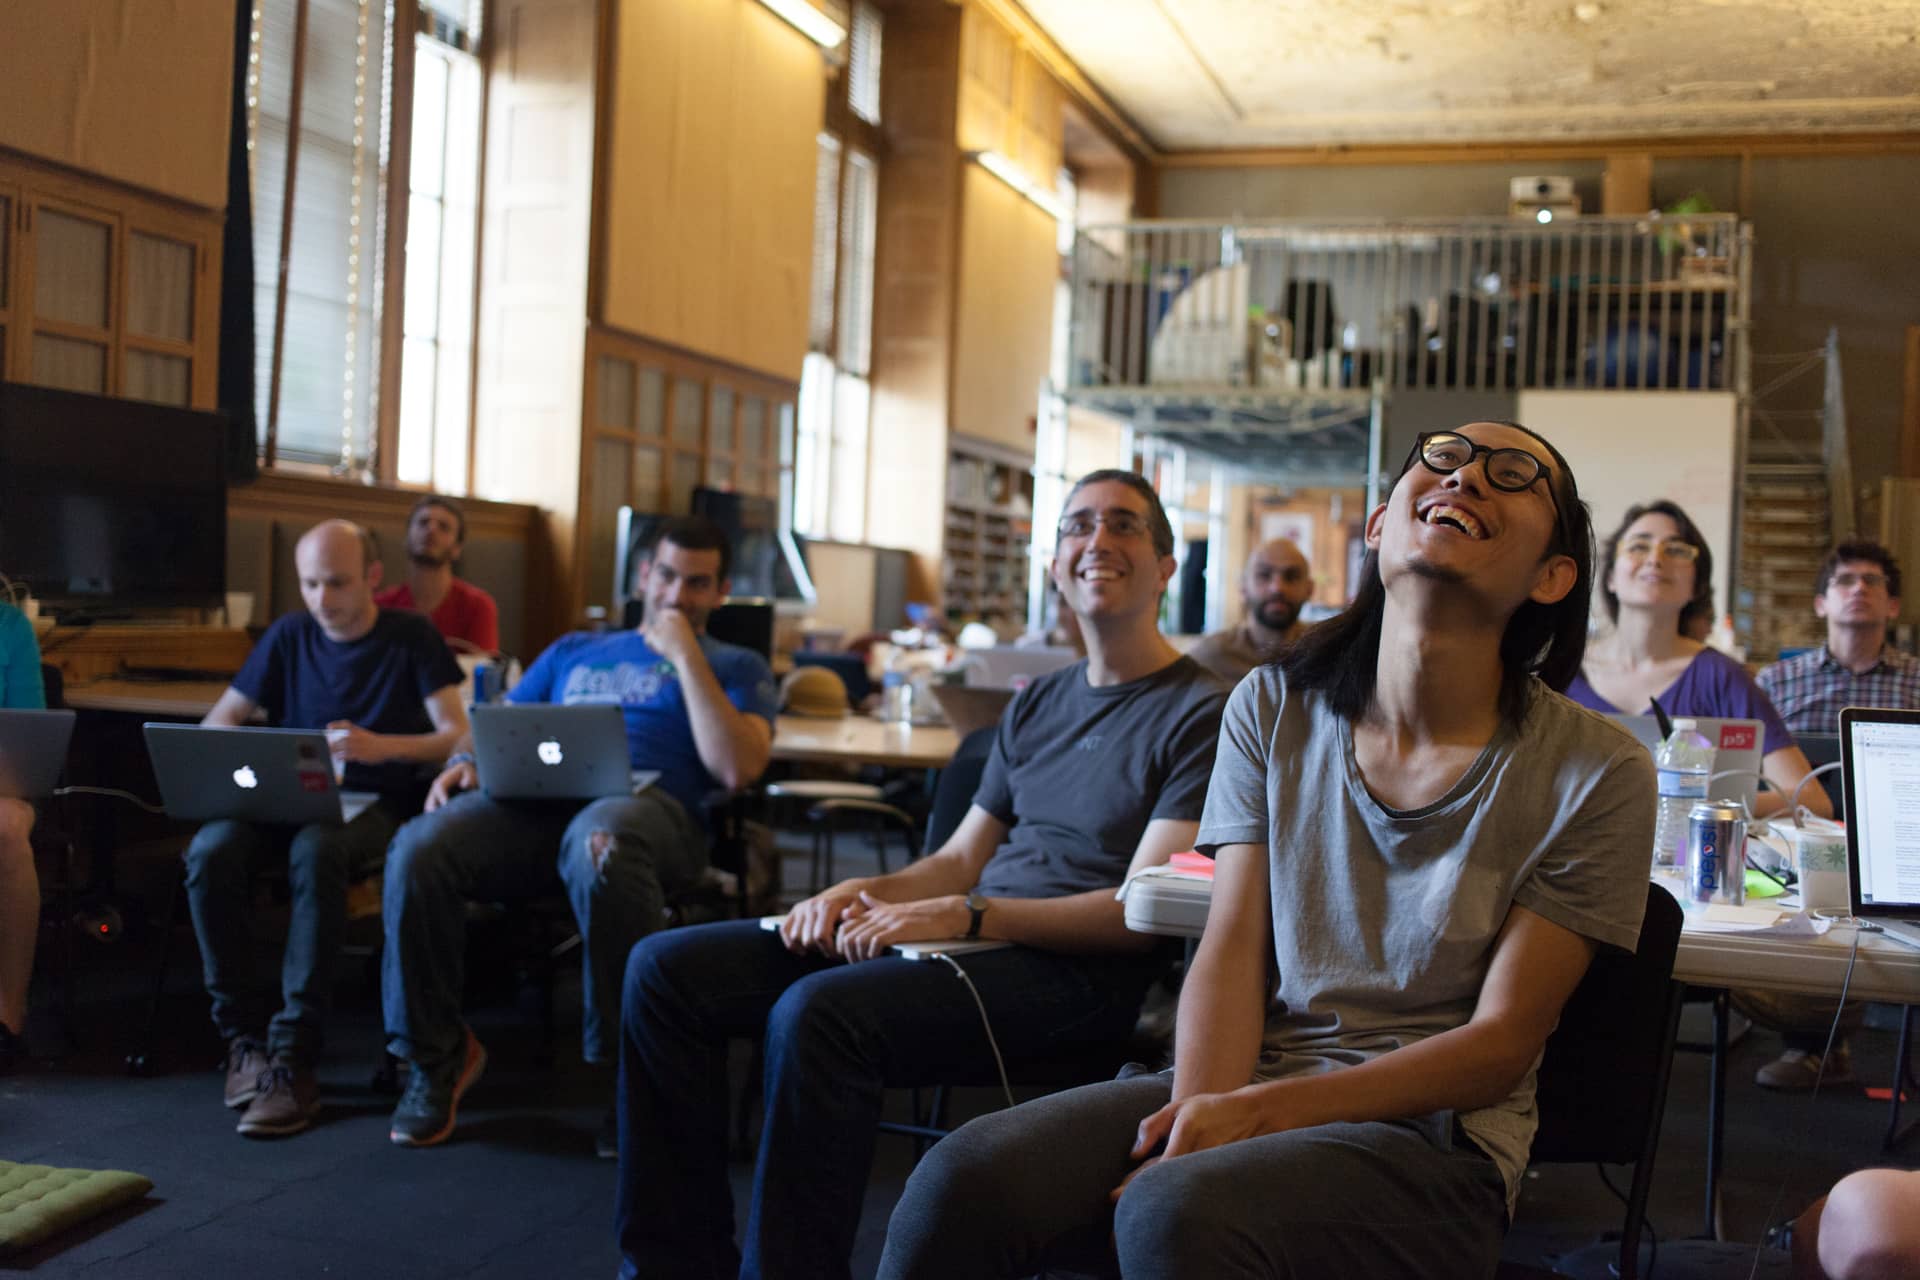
245,777
549,751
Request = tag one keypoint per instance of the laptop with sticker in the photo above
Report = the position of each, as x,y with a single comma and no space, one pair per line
252,774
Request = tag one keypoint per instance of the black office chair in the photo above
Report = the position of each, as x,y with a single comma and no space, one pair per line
1602,1085
1824,749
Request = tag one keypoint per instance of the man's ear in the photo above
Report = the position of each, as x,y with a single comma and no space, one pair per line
1820,605
375,571
1168,567
726,589
1557,576
1376,520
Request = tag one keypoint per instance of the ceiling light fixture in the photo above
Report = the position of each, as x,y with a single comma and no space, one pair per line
809,22
1010,173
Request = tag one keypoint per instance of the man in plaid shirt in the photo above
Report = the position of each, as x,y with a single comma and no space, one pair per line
1859,596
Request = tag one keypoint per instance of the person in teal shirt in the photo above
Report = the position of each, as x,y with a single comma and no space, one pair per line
20,687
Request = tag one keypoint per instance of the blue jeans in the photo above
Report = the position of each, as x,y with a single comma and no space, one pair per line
320,859
837,1035
1020,1190
618,860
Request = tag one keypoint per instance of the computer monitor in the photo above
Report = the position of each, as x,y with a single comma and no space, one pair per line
109,504
769,560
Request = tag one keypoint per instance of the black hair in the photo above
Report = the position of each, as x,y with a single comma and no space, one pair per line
694,533
448,505
1157,523
1340,656
1860,549
1702,601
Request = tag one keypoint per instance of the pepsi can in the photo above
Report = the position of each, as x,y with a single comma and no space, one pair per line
1717,853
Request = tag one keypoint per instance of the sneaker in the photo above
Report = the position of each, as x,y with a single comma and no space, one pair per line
287,1099
1796,1070
606,1139
246,1064
431,1104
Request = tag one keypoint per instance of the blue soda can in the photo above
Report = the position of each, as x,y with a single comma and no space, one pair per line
1717,853
482,676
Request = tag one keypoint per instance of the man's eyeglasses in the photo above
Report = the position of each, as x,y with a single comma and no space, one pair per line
1672,550
1847,581
1511,470
1120,522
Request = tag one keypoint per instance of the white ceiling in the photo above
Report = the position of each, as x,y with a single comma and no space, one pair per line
1202,74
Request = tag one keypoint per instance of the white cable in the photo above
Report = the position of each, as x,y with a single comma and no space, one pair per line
993,1044
109,791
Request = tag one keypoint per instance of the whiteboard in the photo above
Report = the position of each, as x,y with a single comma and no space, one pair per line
1631,447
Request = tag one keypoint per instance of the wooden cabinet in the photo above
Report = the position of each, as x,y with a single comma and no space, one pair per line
106,291
989,524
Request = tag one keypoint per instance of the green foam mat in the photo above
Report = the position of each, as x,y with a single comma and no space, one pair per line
37,1201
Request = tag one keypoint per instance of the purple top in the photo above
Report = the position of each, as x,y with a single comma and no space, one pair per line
1712,685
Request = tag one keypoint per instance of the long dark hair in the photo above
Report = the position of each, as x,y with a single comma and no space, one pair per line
1702,601
1339,656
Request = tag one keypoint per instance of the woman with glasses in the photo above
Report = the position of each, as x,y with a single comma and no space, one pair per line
1417,845
1656,576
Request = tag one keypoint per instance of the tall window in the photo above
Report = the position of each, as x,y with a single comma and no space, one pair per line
443,209
322,128
830,445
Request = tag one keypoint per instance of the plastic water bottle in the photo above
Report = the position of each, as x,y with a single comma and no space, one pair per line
1684,762
896,693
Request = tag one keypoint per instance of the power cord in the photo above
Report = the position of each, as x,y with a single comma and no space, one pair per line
114,792
1653,1237
1826,1056
999,1062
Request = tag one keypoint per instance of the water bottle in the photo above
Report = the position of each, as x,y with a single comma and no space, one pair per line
1684,762
896,693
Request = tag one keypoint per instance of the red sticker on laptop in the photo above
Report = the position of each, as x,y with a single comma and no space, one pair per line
314,782
1737,737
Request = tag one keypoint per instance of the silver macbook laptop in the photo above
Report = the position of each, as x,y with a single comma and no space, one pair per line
259,775
1880,762
1738,745
33,749
544,751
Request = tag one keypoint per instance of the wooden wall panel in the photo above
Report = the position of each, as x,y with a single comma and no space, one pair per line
707,217
1003,313
133,90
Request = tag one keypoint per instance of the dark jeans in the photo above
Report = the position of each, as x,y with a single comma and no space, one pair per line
1019,1190
837,1035
618,859
320,859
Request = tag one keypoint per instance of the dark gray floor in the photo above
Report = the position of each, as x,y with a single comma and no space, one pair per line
518,1191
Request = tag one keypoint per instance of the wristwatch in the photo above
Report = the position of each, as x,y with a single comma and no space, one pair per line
976,903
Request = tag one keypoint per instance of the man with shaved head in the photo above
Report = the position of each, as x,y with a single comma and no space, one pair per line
383,682
1273,586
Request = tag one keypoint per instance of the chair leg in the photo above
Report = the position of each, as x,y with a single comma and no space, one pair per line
1716,1114
140,1062
1902,1079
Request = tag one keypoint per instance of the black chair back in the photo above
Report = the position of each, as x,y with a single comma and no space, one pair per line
1824,748
54,684
953,794
1602,1087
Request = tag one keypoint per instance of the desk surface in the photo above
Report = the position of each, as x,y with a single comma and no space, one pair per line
1886,970
863,740
179,699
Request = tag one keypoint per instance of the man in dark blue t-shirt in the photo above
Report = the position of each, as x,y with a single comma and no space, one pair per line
699,711
383,685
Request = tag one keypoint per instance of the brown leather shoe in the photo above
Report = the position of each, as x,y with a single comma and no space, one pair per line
246,1063
288,1098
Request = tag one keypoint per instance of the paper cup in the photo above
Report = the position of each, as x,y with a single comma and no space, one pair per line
339,762
239,608
1820,860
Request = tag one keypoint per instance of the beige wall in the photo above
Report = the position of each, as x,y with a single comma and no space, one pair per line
710,124
133,90
1003,317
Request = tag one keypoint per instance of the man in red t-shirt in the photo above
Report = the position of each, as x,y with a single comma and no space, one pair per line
465,616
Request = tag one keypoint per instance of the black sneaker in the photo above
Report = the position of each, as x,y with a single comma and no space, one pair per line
429,1107
606,1139
247,1062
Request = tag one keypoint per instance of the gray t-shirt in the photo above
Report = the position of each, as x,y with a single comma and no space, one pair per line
1077,772
1384,921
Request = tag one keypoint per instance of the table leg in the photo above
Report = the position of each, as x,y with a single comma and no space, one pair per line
1716,1114
1902,1077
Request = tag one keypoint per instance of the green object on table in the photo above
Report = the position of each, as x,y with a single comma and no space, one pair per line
37,1201
1762,885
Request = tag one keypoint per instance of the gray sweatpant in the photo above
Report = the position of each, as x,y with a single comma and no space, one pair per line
1025,1189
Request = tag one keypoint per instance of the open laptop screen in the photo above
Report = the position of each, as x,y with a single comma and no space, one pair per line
1882,765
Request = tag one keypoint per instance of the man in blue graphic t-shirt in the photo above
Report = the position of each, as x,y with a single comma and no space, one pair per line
697,710
383,684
